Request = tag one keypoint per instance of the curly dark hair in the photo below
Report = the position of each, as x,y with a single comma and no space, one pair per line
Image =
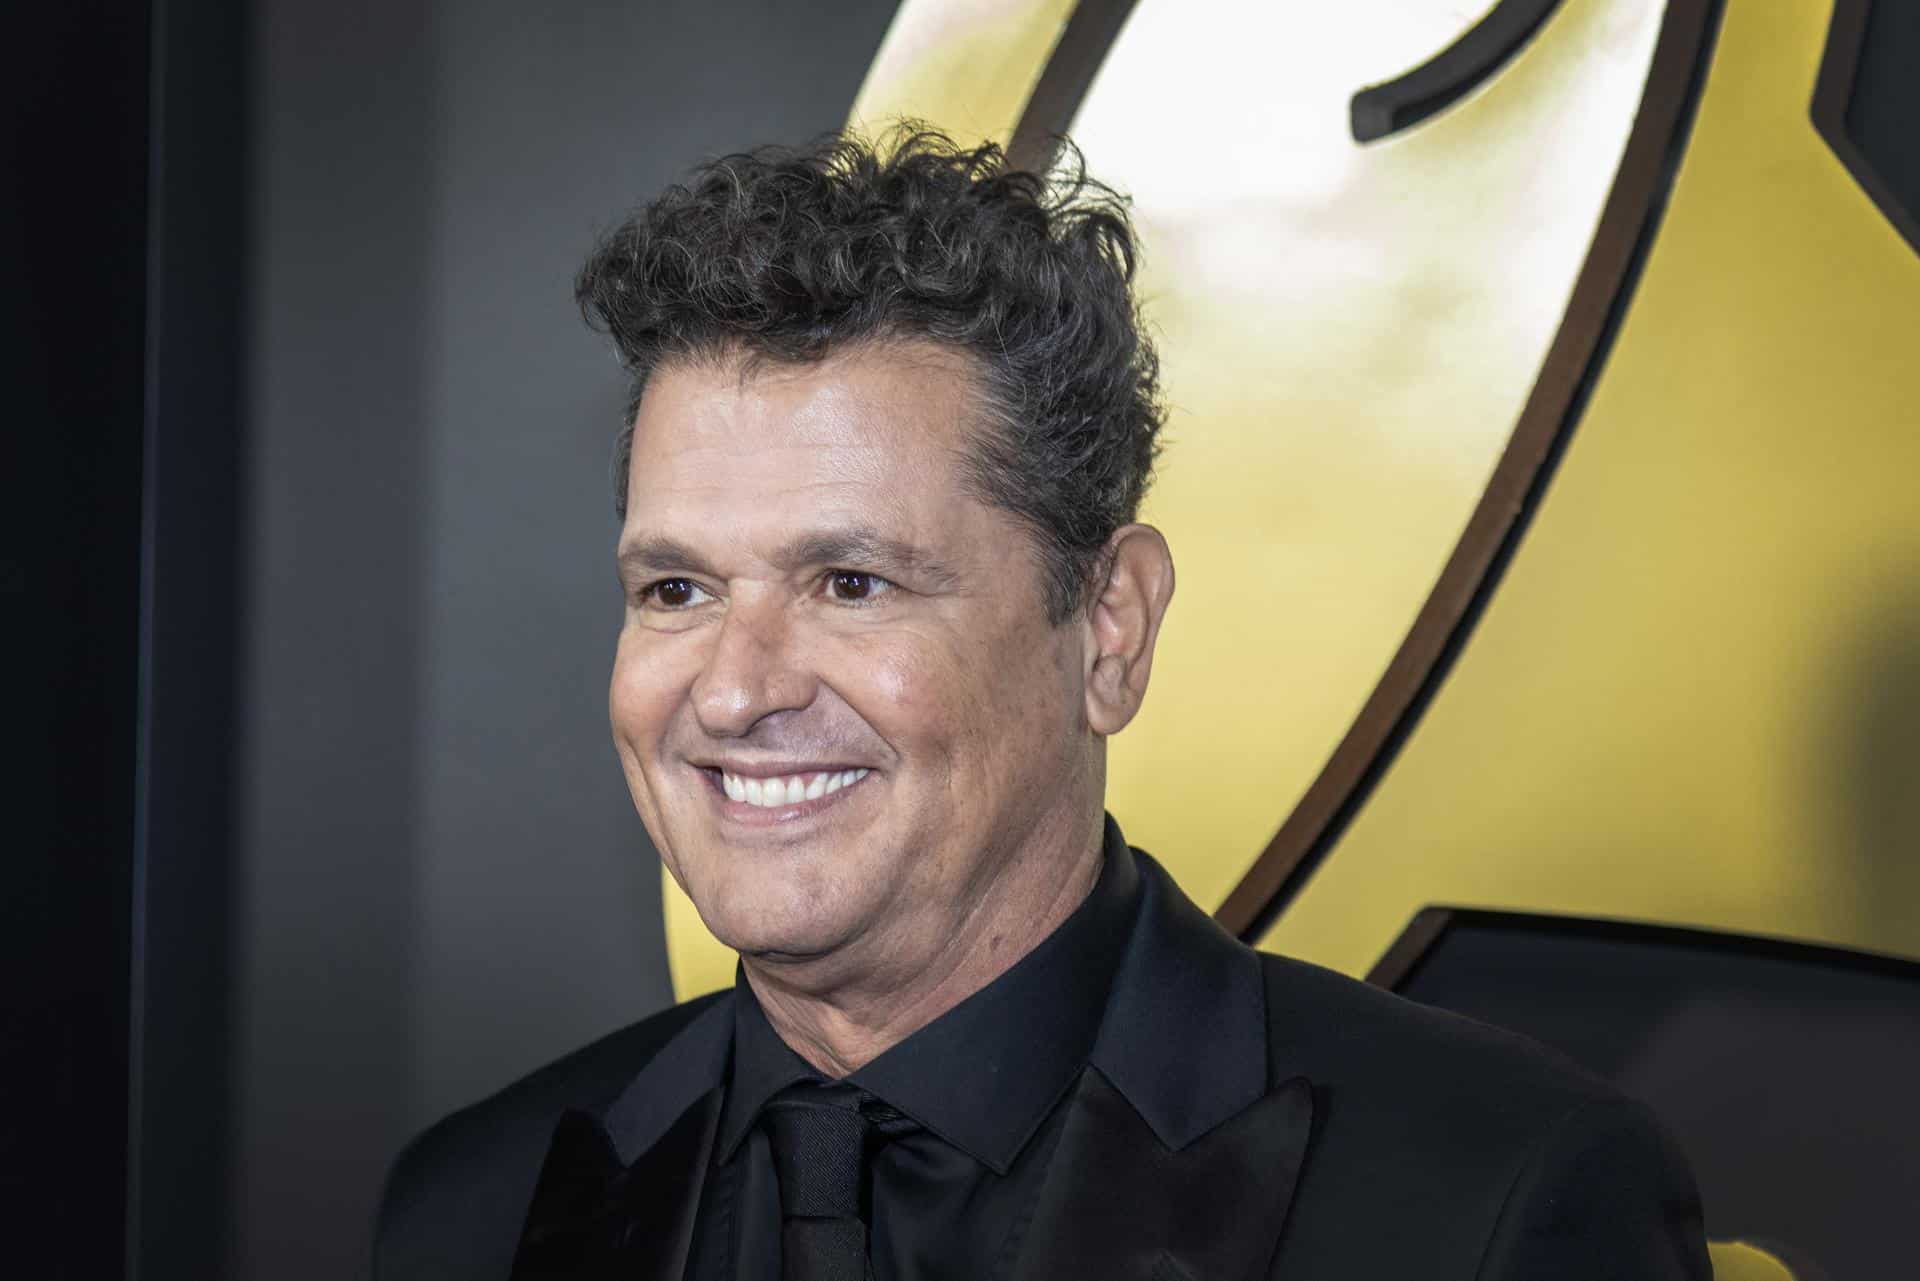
792,254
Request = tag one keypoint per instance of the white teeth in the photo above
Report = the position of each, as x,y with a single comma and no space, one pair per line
770,793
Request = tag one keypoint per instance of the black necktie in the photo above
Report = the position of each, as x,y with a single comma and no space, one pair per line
819,1139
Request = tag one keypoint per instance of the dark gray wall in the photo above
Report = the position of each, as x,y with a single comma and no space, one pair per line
442,883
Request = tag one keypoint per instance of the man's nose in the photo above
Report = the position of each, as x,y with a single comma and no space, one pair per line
753,671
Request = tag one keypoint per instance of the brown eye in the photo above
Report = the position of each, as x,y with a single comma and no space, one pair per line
673,593
847,585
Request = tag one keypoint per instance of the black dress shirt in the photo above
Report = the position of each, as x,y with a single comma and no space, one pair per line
978,1092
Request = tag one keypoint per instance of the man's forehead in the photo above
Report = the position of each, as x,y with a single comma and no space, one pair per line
911,390
782,483
864,452
862,438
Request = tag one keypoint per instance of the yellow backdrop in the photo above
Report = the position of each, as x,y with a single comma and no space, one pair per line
1690,700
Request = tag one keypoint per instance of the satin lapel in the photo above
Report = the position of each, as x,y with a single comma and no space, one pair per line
1119,1204
593,1218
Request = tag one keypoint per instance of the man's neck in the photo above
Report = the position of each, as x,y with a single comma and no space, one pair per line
839,1025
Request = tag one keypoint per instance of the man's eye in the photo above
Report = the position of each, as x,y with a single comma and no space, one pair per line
854,587
673,593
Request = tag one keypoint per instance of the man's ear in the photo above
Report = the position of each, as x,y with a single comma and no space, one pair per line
1123,623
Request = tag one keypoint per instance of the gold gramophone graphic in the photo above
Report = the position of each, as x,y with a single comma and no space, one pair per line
1544,478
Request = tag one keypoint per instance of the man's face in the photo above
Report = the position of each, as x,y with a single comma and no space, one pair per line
838,700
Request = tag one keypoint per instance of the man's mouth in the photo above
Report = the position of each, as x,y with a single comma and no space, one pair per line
788,789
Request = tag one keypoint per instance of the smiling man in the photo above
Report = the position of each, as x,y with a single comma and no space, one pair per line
863,745
886,601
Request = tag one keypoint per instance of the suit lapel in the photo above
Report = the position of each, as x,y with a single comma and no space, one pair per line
1118,1203
593,1218
1185,1140
619,1192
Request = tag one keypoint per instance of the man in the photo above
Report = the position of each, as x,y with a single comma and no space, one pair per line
886,600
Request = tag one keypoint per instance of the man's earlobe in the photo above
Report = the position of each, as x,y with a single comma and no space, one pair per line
1123,624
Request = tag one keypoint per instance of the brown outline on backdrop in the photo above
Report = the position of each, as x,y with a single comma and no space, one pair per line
1076,59
1629,221
1480,53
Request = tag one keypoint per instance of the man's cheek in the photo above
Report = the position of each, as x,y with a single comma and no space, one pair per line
651,677
907,688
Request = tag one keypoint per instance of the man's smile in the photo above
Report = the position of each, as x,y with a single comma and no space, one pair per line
766,796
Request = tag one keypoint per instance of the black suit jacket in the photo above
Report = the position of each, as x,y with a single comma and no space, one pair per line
1242,1116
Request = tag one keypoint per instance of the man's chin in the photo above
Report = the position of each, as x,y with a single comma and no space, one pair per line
788,955
781,940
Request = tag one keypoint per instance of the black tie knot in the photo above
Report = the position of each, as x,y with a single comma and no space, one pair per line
819,1139
819,1136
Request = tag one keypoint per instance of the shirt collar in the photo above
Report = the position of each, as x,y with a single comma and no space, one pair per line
985,1074
763,1065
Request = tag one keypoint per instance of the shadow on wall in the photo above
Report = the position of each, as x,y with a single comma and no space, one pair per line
1875,763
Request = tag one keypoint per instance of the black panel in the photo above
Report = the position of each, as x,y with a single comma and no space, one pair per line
1788,1072
182,916
73,130
1866,100
1884,116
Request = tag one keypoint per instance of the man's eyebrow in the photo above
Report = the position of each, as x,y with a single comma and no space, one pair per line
655,553
860,547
